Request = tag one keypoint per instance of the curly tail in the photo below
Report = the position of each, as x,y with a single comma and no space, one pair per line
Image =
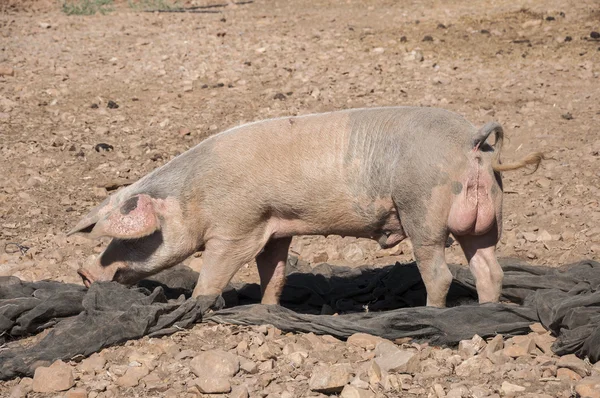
534,158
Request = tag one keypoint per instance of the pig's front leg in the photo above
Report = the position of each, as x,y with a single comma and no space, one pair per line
271,268
480,251
435,273
222,259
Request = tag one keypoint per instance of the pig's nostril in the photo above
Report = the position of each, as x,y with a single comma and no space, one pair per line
85,276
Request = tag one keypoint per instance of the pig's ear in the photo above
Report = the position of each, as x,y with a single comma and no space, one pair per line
136,217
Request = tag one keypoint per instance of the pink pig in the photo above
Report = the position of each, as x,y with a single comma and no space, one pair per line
381,173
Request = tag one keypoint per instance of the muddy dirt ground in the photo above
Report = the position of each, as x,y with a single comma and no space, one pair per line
91,102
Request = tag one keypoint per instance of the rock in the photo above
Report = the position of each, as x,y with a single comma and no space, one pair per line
495,344
475,365
364,340
144,359
132,376
213,385
509,388
354,392
544,342
374,373
537,328
521,345
22,389
248,366
298,358
216,364
56,377
575,364
567,375
239,392
469,348
392,359
353,253
330,379
76,393
6,71
458,392
155,383
589,387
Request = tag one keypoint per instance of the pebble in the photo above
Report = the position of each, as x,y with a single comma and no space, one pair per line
575,364
56,377
209,384
589,387
215,363
132,376
354,392
6,71
330,379
364,340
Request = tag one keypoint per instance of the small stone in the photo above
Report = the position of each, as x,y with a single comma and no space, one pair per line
575,364
112,104
188,86
509,388
215,363
544,342
537,328
100,192
22,389
266,366
521,346
392,359
95,363
155,383
297,358
589,387
364,340
76,393
474,365
374,373
595,35
44,25
132,376
248,366
354,392
239,392
213,385
531,23
330,379
495,344
6,71
567,375
56,377
469,348
458,392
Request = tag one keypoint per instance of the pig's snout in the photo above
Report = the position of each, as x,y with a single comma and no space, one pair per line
97,273
85,276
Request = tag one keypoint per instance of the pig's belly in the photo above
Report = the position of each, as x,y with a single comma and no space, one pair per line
383,226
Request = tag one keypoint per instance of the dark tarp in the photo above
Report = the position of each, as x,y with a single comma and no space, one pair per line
382,301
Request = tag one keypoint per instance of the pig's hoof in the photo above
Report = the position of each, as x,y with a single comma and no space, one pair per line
210,303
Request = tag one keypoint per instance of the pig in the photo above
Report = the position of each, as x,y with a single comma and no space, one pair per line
385,173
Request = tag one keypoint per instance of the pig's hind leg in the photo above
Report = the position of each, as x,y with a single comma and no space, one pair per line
271,268
480,251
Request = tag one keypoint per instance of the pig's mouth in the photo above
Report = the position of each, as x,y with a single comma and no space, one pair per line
87,278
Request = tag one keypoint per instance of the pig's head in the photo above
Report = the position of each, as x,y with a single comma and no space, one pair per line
148,236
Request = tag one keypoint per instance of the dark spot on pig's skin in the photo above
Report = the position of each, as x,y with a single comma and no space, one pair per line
129,205
494,189
456,187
